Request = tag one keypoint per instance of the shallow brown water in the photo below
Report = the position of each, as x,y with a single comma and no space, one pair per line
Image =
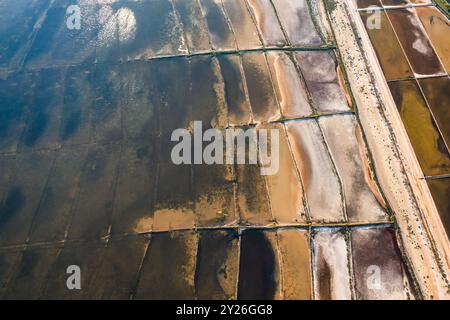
437,94
217,265
260,89
169,267
388,49
422,131
296,264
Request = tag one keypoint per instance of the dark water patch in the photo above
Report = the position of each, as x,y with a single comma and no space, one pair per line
72,124
219,30
14,201
217,265
7,163
58,45
440,189
78,102
260,90
169,267
15,95
16,26
45,110
26,191
394,2
30,277
238,105
257,267
368,3
415,42
205,101
324,280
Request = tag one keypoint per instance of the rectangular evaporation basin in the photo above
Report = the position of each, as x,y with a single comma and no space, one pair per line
388,49
151,28
221,34
244,28
440,189
16,94
364,202
77,106
252,198
259,269
19,19
194,25
437,26
88,257
284,185
117,275
289,85
437,95
425,138
174,206
92,212
411,34
378,267
217,268
320,69
331,265
23,196
260,89
55,209
29,280
317,170
45,111
58,45
134,200
8,264
296,264
235,90
168,270
267,22
214,195
297,22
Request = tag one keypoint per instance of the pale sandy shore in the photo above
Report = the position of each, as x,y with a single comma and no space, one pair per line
423,239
